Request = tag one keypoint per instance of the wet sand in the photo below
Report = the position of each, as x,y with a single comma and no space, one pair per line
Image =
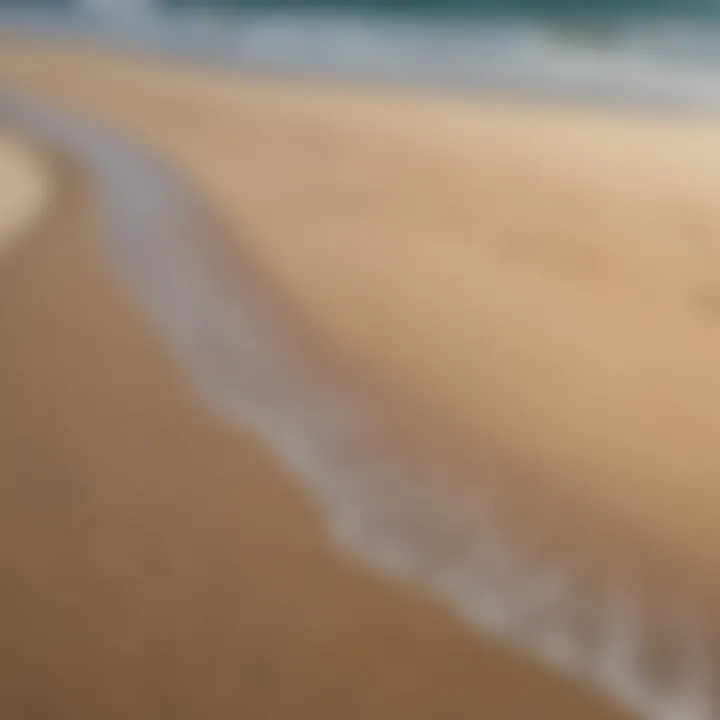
541,280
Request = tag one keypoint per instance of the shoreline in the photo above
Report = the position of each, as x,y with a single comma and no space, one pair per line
604,78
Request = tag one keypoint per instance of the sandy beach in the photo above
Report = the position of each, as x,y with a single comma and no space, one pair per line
540,282
156,563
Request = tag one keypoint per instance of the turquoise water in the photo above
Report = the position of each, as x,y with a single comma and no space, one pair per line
549,9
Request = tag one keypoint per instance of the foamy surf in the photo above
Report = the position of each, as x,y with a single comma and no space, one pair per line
383,500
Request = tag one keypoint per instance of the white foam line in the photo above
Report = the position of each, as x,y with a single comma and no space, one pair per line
384,504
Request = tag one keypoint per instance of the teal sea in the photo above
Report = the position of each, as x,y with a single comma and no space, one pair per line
555,11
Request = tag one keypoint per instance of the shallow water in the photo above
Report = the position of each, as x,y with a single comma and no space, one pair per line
383,499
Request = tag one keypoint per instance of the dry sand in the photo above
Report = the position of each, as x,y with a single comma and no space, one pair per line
544,279
157,564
